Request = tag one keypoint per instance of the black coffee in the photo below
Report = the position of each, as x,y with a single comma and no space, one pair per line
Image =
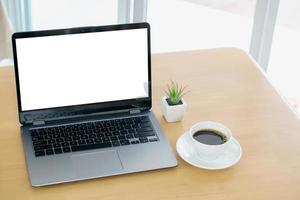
210,137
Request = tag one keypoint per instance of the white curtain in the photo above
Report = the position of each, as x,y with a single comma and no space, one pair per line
5,34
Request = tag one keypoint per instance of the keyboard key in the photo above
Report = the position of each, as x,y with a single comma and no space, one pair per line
80,142
42,132
107,134
37,138
100,135
106,139
49,151
58,140
143,140
98,140
112,138
66,149
57,151
121,137
51,141
115,143
73,143
144,134
80,132
91,146
39,153
42,147
153,139
135,125
76,137
145,125
127,126
131,131
65,144
135,142
124,132
83,137
116,133
72,134
129,136
48,137
68,139
89,141
124,142
57,145
146,129
42,142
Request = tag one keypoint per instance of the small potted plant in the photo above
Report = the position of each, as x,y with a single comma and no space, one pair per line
173,105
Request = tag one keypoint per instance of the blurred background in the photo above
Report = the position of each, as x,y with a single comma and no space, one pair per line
266,29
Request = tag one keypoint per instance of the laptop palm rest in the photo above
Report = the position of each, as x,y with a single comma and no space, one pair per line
96,163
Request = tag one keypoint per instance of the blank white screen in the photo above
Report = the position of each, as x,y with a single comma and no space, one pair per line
76,69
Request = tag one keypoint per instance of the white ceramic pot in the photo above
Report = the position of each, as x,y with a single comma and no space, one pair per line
173,113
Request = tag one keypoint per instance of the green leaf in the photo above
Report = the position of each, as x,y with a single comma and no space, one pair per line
175,92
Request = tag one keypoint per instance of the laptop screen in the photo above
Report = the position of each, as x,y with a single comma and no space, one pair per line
82,68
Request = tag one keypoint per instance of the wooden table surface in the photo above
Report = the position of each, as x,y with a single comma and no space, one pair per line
225,86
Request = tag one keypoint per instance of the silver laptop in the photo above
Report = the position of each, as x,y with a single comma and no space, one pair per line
84,100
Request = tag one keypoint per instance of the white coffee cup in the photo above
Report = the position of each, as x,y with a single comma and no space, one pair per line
206,151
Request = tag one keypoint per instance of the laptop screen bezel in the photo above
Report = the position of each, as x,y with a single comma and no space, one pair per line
126,104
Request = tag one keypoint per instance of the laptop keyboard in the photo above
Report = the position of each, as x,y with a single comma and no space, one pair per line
92,135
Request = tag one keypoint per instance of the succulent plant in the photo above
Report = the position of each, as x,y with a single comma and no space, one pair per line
174,93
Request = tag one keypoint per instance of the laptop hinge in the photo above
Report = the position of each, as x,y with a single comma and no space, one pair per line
38,122
134,111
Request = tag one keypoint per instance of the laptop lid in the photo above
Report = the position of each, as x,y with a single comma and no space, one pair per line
79,71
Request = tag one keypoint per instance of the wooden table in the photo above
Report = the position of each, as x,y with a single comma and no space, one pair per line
225,86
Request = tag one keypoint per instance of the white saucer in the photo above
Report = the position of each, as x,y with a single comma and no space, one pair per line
230,156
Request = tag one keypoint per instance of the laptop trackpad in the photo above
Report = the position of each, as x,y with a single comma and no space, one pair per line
94,164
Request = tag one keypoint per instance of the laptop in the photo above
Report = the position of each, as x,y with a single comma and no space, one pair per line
84,102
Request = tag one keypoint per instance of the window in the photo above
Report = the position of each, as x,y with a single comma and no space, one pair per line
49,14
27,15
284,63
198,24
